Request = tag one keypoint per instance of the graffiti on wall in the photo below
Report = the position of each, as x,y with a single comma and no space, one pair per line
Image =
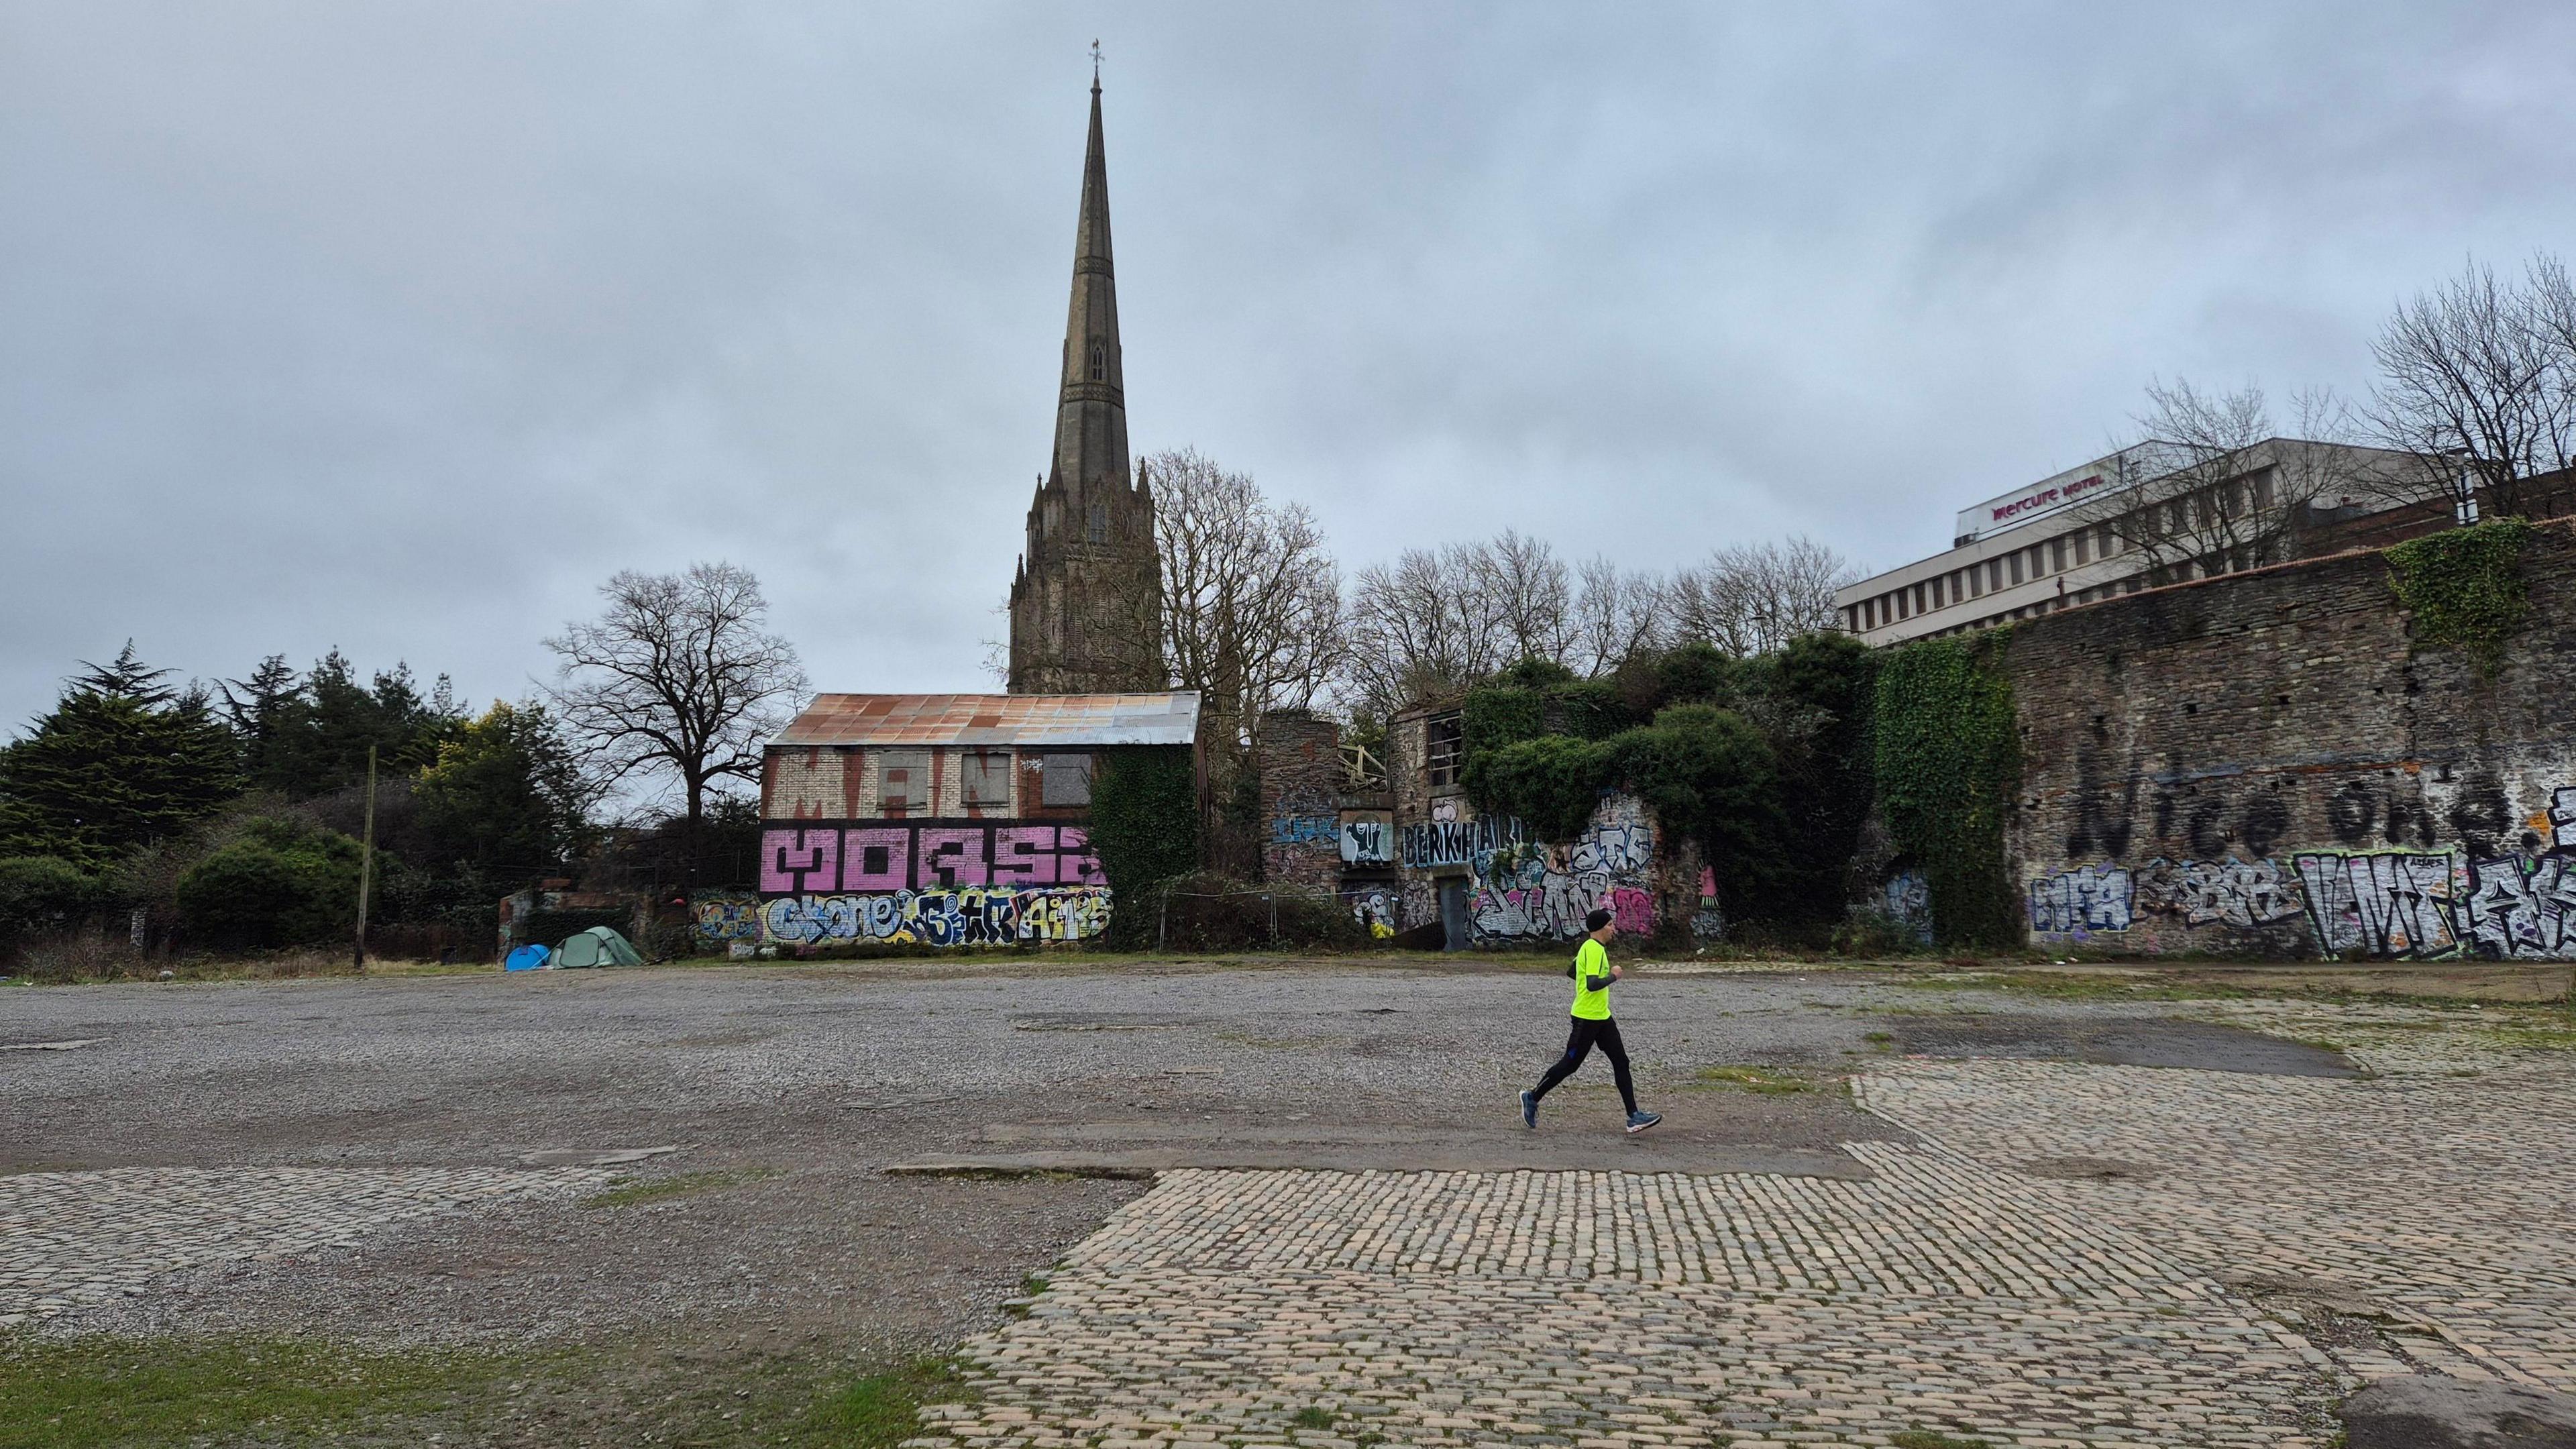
1708,923
1368,838
1458,842
1905,901
2521,906
817,859
723,921
2523,903
1523,890
1373,907
2085,901
1302,830
2379,902
2229,892
971,916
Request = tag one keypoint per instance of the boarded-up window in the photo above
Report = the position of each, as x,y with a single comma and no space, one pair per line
1067,780
986,780
903,783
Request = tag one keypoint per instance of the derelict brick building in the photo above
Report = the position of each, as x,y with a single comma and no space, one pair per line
945,819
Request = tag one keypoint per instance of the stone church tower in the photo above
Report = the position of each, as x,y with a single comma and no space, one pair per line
1086,603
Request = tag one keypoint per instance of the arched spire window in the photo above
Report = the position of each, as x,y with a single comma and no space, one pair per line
1099,363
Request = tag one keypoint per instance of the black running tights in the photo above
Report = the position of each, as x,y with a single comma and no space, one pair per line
1579,1044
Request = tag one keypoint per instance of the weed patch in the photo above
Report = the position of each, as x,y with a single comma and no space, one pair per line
57,1393
884,1409
687,1184
1764,1081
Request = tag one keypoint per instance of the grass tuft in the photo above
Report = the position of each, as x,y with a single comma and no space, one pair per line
58,1393
1932,1439
1766,1081
628,1194
882,1410
1311,1417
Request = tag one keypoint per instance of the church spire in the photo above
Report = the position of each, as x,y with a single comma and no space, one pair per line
1091,408
1086,599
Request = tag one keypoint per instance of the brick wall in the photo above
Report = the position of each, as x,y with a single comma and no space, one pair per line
2262,764
1301,785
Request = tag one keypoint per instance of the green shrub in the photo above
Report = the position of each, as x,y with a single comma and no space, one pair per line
41,895
279,883
1495,716
1552,783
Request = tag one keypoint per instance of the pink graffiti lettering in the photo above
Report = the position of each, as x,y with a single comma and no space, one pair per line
952,857
788,863
877,860
1025,855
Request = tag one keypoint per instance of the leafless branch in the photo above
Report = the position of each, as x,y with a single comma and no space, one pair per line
676,677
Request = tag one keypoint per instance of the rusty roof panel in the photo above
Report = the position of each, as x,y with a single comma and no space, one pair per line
996,719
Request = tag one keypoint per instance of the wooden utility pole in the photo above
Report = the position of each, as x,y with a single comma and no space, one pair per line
366,862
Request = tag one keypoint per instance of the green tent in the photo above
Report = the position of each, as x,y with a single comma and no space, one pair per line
598,946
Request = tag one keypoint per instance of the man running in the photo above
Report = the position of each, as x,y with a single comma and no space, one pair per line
1592,973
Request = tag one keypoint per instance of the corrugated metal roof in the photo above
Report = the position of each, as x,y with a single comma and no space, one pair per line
996,719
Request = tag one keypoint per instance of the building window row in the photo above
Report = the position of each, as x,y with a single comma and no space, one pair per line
905,786
1971,582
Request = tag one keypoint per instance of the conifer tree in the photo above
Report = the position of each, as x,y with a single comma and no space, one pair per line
121,761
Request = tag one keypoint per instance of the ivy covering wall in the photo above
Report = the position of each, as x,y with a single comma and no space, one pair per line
1948,762
2463,589
1144,829
1761,762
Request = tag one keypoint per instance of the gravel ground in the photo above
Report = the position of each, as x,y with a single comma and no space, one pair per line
824,1077
789,1091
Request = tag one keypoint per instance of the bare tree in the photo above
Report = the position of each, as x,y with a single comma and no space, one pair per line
1420,628
1750,599
1617,614
2205,486
677,677
1528,594
1249,594
2478,383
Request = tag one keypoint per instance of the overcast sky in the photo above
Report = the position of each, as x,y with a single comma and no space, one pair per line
398,328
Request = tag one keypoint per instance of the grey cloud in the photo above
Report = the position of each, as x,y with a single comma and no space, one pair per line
397,327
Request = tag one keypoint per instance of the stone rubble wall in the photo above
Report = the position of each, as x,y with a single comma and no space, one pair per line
2265,764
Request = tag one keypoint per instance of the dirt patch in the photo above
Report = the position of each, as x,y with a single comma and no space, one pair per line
2116,1041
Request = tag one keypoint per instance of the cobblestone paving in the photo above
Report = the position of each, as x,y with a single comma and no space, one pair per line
69,1240
2075,1255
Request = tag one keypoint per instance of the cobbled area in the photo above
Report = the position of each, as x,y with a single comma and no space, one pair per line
2073,1255
70,1240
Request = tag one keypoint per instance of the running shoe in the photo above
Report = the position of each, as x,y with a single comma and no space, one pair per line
1640,1121
1529,1108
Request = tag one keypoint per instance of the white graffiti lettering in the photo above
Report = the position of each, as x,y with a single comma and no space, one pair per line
2379,903
971,916
2081,902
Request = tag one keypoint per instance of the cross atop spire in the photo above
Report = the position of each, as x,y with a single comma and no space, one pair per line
1095,67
